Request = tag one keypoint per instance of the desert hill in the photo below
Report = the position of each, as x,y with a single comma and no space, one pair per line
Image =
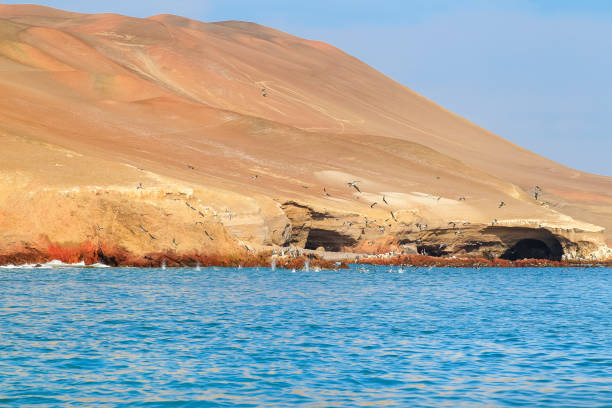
169,134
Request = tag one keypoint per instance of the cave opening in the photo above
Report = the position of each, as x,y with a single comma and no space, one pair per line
436,250
330,240
533,249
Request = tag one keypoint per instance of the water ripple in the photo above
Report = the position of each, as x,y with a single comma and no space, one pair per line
247,338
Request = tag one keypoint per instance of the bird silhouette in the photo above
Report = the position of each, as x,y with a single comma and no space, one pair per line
354,185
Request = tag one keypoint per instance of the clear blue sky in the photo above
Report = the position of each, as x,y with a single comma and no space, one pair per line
538,73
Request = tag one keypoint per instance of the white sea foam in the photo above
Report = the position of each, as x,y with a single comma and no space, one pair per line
11,266
53,265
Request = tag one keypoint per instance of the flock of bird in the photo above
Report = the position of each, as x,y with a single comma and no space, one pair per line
140,186
351,184
421,227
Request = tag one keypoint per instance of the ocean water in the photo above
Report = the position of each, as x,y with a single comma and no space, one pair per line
256,337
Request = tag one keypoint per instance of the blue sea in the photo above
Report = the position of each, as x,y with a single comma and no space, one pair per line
369,336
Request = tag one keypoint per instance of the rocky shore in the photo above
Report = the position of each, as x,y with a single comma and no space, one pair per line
89,254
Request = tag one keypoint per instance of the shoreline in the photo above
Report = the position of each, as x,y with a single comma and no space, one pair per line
90,255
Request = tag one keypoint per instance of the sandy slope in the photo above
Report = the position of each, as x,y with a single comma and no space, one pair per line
205,107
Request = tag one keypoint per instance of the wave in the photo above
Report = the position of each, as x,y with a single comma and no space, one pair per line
55,264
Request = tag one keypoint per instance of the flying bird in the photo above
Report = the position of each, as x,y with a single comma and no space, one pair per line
190,167
393,216
142,228
325,193
174,242
140,187
501,204
208,235
255,177
373,204
354,185
385,200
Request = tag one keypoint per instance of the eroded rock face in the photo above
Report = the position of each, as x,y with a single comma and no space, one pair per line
334,231
163,219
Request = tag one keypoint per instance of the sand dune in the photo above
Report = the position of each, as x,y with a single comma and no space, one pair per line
202,108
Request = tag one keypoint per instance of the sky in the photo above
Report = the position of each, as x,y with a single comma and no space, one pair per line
536,72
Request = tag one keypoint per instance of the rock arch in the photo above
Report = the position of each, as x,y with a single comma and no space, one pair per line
528,243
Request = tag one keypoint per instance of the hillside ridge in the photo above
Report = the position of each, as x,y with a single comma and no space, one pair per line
249,132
